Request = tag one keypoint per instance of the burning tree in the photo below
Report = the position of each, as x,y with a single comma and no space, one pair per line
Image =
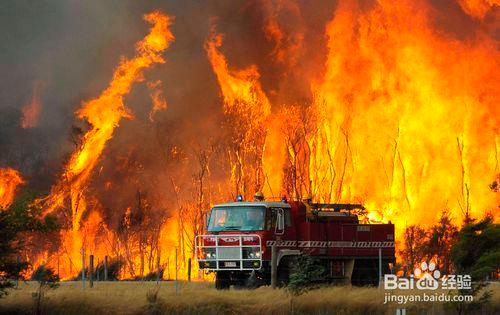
298,129
413,253
246,109
442,237
10,179
140,235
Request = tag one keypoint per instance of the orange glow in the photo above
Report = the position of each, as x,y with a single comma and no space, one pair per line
288,39
479,8
10,179
159,102
31,111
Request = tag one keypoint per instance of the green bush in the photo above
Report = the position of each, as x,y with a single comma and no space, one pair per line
307,273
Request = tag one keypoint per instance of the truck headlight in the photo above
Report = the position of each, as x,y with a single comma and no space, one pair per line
252,253
209,253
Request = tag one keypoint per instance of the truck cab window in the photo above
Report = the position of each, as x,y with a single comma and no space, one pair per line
271,218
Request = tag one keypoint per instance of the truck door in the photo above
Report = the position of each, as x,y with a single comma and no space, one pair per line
284,232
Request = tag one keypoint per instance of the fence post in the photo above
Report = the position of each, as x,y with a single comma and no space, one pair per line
91,271
274,267
106,268
83,268
158,268
18,260
176,273
168,268
189,269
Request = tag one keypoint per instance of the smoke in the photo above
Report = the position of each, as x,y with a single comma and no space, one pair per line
73,47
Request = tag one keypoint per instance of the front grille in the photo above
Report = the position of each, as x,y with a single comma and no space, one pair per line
229,253
235,257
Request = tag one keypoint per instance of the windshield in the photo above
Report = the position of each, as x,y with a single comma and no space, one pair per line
238,218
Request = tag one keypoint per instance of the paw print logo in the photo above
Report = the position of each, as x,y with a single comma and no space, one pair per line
427,269
427,276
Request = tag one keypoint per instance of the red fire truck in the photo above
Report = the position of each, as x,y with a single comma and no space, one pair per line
240,236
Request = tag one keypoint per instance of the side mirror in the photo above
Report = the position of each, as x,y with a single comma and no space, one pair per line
207,219
280,222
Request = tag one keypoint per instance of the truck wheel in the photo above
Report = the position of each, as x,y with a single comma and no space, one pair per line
222,280
365,273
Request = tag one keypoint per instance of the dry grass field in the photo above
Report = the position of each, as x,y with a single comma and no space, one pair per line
202,298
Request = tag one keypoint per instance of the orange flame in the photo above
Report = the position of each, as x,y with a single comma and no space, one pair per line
245,101
409,116
406,118
237,85
10,179
103,114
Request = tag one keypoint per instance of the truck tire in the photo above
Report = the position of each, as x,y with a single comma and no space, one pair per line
365,273
222,280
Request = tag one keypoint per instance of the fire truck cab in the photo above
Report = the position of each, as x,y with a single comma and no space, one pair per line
240,236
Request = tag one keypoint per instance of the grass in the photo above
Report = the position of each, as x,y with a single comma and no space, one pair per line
202,298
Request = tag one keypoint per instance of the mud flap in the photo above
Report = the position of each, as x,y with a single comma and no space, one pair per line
348,269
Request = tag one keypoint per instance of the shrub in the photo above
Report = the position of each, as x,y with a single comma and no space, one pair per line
306,274
47,279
